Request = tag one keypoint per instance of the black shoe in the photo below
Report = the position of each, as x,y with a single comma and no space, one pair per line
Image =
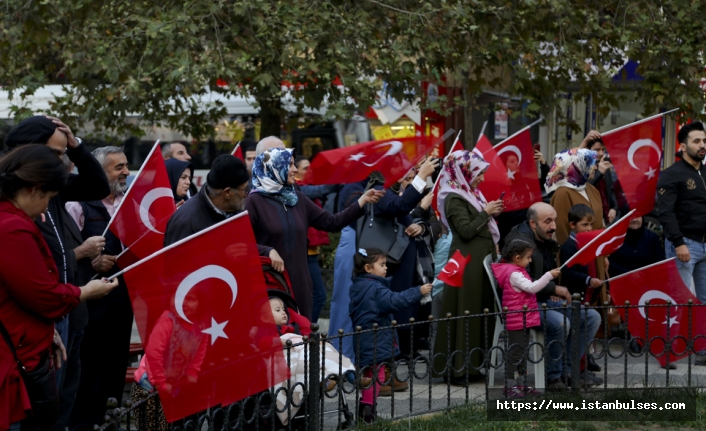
555,385
671,366
700,358
592,366
366,413
635,346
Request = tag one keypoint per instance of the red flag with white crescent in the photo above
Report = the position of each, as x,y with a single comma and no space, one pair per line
636,151
203,314
512,170
238,152
141,218
601,242
452,272
393,158
658,284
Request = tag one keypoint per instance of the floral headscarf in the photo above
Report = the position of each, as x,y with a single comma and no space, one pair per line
571,168
269,175
461,168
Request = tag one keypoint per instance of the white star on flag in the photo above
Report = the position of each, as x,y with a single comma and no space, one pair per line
216,330
511,174
357,157
651,172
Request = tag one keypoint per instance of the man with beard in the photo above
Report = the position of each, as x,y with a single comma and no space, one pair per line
106,343
538,230
222,196
681,204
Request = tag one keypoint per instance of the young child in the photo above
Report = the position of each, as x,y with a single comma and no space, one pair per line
519,290
372,301
578,278
581,279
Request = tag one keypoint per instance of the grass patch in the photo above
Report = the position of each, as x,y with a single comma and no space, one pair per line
474,418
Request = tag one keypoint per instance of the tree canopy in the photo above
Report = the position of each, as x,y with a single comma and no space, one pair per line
156,60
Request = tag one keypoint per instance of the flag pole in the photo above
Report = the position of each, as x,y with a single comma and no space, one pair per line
518,132
236,148
639,122
482,130
127,193
181,241
639,269
596,238
439,176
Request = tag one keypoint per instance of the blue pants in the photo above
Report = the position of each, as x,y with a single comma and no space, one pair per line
62,327
695,268
342,282
558,328
319,287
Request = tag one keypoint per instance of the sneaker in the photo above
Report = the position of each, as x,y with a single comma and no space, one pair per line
514,392
590,379
555,385
591,365
671,366
530,391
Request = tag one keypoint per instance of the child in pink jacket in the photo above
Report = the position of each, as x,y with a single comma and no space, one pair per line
519,290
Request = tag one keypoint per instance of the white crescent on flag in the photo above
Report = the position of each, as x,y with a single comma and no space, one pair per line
454,271
639,144
395,147
656,294
514,149
148,200
599,250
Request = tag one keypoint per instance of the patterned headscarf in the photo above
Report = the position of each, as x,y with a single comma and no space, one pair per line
269,175
461,168
571,168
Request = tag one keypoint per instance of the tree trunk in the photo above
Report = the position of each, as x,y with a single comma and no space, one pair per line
469,101
270,116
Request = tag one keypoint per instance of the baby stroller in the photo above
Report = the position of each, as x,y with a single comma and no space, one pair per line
279,285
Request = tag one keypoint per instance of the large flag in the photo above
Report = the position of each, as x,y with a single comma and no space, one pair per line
141,218
456,146
635,151
203,314
393,158
512,170
659,283
452,272
238,152
601,242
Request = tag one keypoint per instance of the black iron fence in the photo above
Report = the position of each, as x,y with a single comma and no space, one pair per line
328,397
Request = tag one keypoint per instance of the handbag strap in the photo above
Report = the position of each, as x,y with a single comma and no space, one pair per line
8,340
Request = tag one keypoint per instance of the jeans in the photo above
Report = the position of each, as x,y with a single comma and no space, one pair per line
694,269
62,327
558,328
15,426
318,285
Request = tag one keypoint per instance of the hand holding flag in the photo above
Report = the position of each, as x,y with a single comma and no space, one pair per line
600,242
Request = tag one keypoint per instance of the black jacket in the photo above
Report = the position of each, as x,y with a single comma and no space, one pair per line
90,184
642,247
681,202
194,216
543,257
574,277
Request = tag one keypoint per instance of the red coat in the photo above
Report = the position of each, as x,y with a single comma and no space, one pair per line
31,299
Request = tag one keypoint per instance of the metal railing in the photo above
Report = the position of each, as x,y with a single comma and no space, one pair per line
431,389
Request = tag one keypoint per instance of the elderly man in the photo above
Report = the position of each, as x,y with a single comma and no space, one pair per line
106,342
222,196
175,150
267,143
538,230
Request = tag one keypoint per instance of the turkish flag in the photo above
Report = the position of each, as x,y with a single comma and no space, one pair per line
141,218
203,314
658,284
238,152
636,151
601,242
393,158
512,170
452,272
456,146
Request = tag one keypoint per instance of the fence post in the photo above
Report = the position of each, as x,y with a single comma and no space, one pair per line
575,335
313,400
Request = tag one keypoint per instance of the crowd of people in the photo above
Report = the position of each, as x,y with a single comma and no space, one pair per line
53,227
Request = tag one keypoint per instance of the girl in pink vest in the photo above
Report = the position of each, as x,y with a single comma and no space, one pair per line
519,290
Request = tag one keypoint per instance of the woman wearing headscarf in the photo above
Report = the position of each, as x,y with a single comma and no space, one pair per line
469,216
32,297
281,216
180,174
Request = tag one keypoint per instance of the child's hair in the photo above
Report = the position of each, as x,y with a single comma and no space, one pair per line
579,212
365,256
274,298
516,247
